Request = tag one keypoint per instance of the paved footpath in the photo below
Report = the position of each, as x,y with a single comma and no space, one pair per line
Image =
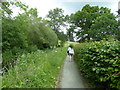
71,77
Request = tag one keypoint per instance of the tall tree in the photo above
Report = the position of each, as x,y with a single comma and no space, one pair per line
56,21
55,18
70,27
85,18
105,26
70,32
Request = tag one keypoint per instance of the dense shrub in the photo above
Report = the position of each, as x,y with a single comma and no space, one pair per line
25,32
100,62
36,70
42,36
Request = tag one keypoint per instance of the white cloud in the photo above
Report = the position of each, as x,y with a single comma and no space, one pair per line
114,7
87,0
43,6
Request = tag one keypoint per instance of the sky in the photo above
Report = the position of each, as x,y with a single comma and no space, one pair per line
69,6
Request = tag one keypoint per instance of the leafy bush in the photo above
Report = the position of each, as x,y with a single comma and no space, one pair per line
24,33
100,62
36,70
10,56
42,36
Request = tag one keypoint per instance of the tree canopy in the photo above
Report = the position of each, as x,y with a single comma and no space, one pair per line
93,16
56,20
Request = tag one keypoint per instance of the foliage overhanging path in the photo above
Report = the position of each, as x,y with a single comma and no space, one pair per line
71,77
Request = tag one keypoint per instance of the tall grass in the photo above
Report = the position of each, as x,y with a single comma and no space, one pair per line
36,70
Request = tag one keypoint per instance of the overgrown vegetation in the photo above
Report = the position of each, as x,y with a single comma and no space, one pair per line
25,32
0,82
36,70
100,62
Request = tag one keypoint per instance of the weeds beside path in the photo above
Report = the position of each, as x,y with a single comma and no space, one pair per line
36,70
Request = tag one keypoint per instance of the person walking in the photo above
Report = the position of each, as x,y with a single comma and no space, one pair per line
70,52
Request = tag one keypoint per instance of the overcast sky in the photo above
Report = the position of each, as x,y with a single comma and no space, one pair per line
69,6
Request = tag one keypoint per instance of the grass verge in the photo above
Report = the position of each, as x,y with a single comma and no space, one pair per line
36,70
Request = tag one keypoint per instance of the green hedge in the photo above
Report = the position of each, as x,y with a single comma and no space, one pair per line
36,70
100,62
